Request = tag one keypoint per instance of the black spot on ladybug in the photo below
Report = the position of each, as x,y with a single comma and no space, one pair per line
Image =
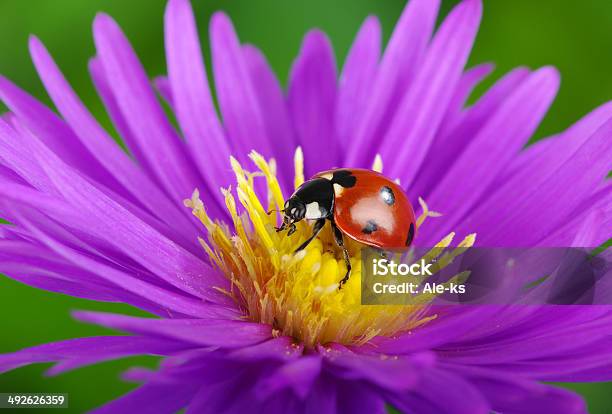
410,234
387,195
370,227
344,178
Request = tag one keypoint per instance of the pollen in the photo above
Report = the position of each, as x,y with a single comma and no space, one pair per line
297,293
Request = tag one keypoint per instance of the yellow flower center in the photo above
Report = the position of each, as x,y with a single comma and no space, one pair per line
297,293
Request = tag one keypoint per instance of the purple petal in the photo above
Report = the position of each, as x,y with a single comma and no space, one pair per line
26,252
17,198
38,267
138,374
142,112
577,367
573,137
163,87
275,111
522,322
541,342
228,396
51,282
53,132
225,386
14,154
400,61
101,144
111,222
581,222
242,115
105,91
298,375
171,301
324,398
422,108
281,348
448,145
598,374
356,397
95,349
357,80
465,86
540,212
225,334
312,99
152,398
459,396
8,174
549,156
555,350
191,95
485,157
511,394
448,326
398,373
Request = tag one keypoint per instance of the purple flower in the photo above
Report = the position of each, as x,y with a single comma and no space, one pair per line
242,324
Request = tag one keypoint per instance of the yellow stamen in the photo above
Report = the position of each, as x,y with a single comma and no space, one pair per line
378,164
297,293
426,213
298,165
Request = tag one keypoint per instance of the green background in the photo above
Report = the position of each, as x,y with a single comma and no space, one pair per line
576,37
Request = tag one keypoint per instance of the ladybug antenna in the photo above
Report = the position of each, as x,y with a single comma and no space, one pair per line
275,210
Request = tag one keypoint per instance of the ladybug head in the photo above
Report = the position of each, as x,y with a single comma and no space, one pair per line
294,211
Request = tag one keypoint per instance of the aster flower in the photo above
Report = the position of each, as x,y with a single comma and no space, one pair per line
242,324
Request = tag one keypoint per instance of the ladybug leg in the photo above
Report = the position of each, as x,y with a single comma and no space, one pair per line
292,229
347,257
286,224
315,232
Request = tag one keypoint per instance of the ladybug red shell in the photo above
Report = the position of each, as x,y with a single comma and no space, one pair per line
361,204
375,211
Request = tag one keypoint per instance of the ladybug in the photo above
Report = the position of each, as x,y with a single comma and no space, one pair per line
361,204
